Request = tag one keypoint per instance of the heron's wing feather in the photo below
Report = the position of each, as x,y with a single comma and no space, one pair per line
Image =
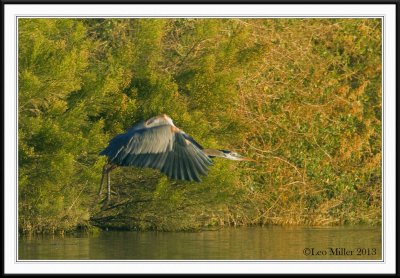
128,147
192,140
157,139
116,145
186,161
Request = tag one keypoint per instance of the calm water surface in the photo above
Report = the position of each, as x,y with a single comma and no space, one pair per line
254,243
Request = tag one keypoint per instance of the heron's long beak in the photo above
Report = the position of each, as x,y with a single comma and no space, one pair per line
242,158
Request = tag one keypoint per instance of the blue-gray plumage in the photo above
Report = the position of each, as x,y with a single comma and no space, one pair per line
157,143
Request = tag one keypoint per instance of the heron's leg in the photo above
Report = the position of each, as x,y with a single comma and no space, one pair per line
108,185
102,178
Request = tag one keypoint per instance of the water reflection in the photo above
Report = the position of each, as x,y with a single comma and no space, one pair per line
254,243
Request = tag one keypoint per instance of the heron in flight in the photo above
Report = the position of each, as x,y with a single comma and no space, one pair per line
157,143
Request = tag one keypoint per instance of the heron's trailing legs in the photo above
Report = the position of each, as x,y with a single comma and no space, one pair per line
107,168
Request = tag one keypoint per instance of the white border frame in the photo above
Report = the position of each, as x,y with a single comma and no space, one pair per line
386,11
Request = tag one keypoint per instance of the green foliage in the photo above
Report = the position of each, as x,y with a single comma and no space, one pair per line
302,96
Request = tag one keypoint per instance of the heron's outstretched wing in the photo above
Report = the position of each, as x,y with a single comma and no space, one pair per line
161,147
192,140
142,141
186,161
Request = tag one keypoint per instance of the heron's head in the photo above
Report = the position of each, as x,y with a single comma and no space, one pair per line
235,156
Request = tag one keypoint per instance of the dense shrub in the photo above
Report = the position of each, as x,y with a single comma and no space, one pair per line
302,96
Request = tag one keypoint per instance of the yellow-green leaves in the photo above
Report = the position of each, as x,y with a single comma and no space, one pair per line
302,96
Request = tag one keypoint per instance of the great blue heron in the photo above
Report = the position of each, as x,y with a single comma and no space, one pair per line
157,143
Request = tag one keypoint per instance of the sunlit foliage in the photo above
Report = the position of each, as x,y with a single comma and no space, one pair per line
301,96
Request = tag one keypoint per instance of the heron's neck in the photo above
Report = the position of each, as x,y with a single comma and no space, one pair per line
214,153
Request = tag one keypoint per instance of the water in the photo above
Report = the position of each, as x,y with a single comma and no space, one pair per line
254,243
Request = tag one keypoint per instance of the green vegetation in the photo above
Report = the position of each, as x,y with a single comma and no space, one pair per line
301,96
